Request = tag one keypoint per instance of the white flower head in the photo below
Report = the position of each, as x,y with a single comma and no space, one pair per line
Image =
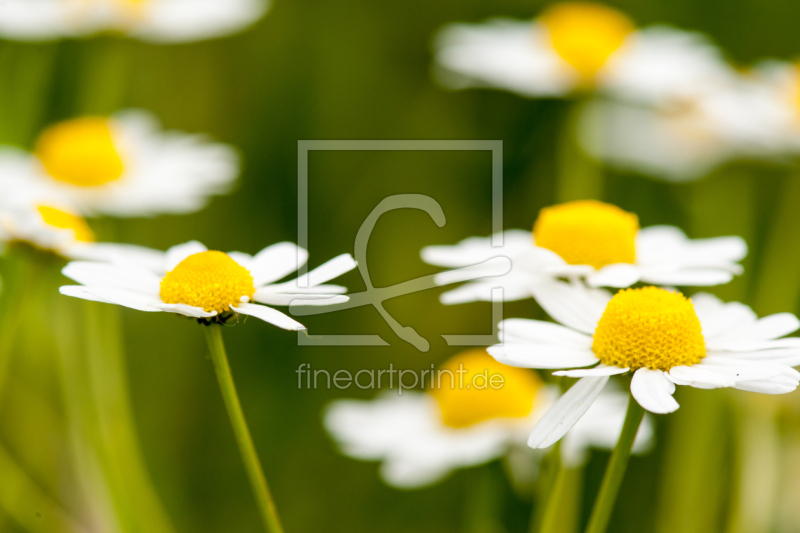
661,337
575,46
53,229
587,240
422,437
120,166
158,21
755,115
190,280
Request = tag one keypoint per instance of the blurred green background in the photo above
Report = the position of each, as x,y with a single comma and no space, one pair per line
357,69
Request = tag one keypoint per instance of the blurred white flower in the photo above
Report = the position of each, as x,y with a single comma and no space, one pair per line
422,437
120,166
575,46
190,280
158,21
588,240
54,229
661,337
756,115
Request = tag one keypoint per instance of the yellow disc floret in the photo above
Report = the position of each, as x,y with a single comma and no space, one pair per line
472,387
588,232
64,220
586,34
211,280
649,328
80,152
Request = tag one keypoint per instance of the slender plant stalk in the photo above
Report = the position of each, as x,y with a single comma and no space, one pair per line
258,481
579,177
563,506
123,458
604,504
17,294
778,285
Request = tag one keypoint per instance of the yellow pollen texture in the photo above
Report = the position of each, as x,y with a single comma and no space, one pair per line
80,152
466,396
585,34
588,232
59,219
649,328
211,280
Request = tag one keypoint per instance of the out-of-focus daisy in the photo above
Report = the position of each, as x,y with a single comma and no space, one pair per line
190,280
588,240
661,337
119,166
49,228
576,46
159,21
464,421
754,116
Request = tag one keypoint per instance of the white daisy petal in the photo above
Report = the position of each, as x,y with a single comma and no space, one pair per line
299,299
599,370
776,385
572,305
178,253
700,376
475,250
507,54
125,298
268,314
277,261
113,276
496,266
186,310
566,412
326,271
537,331
541,356
618,275
653,390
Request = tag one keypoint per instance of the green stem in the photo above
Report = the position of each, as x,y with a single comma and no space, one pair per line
22,278
604,505
120,442
563,506
778,284
258,481
579,177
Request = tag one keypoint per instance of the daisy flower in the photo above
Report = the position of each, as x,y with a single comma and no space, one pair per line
157,21
463,421
578,46
119,166
53,229
587,240
755,116
193,281
660,337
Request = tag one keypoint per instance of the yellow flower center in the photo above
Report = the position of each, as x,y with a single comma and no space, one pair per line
63,220
80,152
211,280
585,34
649,328
588,232
472,387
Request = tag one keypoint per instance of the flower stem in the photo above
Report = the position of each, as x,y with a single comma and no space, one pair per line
579,177
604,505
258,481
563,506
